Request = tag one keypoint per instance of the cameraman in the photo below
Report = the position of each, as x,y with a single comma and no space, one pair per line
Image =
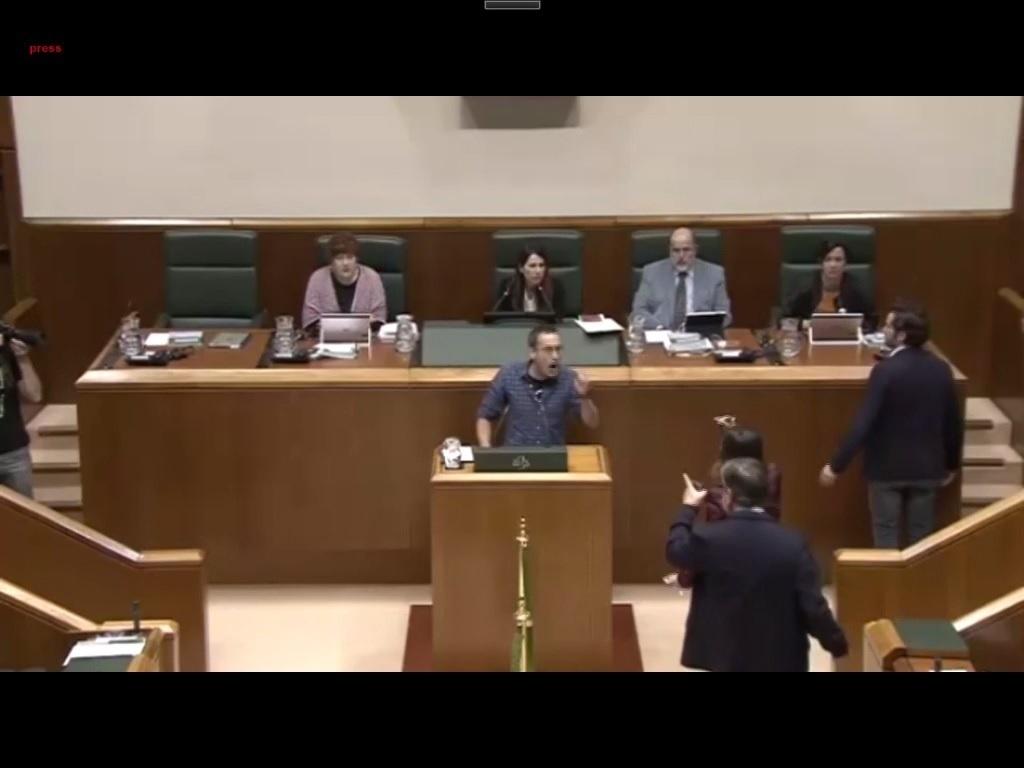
18,379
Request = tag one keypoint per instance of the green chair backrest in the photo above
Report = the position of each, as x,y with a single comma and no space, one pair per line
387,255
212,279
800,246
649,245
564,248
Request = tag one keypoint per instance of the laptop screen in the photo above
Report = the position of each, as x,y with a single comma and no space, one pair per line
840,326
705,323
341,329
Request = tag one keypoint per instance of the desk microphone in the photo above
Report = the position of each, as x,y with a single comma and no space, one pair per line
769,351
501,298
551,307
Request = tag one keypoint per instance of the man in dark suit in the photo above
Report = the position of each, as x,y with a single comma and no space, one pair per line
911,430
756,589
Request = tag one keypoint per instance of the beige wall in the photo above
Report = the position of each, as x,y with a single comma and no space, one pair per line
421,156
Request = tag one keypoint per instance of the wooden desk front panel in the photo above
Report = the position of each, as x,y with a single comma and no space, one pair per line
322,475
475,574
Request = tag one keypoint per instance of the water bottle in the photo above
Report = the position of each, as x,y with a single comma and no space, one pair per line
635,339
405,335
130,340
451,453
790,340
284,336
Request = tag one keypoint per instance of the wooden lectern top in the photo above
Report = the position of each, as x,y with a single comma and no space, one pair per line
587,464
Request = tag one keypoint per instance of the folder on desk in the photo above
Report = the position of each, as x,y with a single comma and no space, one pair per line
229,340
598,324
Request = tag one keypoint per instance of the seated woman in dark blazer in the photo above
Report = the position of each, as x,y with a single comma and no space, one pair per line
532,288
832,289
737,442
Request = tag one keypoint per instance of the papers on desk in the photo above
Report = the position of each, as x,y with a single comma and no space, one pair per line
106,647
190,338
656,337
731,354
466,454
388,331
339,351
687,344
229,340
597,324
875,339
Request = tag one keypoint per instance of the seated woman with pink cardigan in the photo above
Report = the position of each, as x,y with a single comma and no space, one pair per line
344,286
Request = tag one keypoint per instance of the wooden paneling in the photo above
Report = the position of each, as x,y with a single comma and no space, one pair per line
321,473
1008,361
944,576
85,274
950,267
6,123
752,258
99,578
85,282
995,634
1011,265
606,272
474,524
15,231
450,274
37,633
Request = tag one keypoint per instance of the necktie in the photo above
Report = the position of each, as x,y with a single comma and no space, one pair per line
679,315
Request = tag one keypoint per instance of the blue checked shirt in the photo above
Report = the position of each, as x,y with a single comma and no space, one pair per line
537,411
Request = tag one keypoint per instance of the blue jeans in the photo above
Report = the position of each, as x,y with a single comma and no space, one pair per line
16,471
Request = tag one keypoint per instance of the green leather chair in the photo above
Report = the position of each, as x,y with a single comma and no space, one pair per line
800,257
564,248
387,255
211,280
649,245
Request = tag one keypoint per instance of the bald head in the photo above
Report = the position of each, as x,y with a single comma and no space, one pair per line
682,248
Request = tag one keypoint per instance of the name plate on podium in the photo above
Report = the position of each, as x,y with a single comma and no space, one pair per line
532,458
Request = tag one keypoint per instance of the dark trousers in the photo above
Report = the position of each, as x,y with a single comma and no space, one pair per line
891,502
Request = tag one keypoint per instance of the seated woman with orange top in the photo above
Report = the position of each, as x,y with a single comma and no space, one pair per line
832,289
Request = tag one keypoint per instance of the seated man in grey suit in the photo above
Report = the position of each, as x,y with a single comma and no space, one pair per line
682,283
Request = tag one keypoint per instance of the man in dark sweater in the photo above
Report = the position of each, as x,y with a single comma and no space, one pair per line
911,430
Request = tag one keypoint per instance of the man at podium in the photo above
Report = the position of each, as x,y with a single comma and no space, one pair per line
539,395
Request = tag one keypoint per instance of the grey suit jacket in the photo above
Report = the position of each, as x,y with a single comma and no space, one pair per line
656,297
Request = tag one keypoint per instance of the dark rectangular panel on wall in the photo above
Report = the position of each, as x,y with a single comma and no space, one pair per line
606,273
752,258
85,281
951,268
450,274
6,123
1013,263
17,231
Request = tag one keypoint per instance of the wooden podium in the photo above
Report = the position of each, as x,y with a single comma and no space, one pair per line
474,519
